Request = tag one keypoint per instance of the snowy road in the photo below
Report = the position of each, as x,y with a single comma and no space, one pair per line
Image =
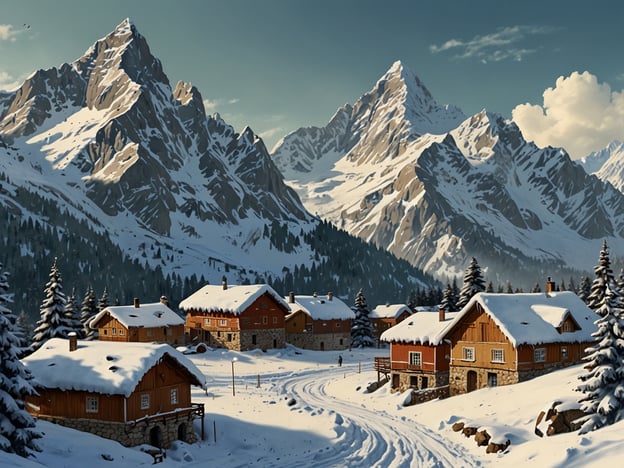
365,436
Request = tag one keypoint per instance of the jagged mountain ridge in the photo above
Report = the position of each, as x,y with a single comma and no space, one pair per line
607,164
458,188
113,145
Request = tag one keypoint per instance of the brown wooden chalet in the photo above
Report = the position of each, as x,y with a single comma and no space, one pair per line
419,355
145,323
501,339
386,316
134,393
240,318
318,322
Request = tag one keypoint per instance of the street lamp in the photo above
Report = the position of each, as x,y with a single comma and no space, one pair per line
233,387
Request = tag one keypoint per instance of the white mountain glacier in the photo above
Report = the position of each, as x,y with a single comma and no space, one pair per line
435,187
607,164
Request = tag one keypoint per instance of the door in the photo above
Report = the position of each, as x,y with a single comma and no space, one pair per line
156,437
471,381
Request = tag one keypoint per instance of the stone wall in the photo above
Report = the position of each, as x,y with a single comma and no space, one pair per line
458,380
434,379
132,434
265,339
329,341
428,394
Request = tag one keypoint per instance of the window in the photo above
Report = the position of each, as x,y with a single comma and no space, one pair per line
567,327
121,332
92,405
468,354
274,320
174,396
207,322
492,379
114,332
415,358
222,323
145,400
564,353
498,355
150,332
414,381
337,324
105,331
539,355
265,319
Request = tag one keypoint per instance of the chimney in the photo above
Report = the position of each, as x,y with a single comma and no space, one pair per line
441,314
550,286
136,302
291,297
224,282
330,296
314,295
73,341
164,300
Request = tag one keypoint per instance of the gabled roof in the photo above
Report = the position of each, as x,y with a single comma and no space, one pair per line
533,318
422,327
322,307
106,367
235,299
389,311
146,316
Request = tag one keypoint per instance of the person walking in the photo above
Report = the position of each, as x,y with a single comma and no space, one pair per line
339,361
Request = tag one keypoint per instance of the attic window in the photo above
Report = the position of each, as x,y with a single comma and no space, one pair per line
158,314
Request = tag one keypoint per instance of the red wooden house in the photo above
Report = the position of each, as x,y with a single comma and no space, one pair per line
386,316
135,393
419,355
236,317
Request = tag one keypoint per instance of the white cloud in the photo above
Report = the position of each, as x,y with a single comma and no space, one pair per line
8,32
212,105
578,114
271,132
496,46
233,101
7,81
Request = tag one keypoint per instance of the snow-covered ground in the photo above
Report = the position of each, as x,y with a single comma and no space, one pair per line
307,411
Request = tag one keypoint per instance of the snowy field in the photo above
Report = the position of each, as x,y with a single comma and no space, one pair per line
309,412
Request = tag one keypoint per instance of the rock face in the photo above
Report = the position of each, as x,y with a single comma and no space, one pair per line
134,141
434,187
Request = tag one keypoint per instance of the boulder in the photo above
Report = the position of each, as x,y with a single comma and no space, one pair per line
458,426
494,448
482,438
564,421
469,431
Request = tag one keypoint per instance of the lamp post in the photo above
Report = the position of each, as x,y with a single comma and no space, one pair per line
233,385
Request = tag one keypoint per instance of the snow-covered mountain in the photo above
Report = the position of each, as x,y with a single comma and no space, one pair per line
112,143
436,188
607,164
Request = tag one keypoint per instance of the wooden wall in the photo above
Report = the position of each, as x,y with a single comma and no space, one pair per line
298,322
109,330
434,358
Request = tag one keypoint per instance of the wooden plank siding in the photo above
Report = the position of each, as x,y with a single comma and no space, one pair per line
111,329
433,357
298,322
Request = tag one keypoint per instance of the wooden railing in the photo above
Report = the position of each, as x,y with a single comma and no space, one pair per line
382,364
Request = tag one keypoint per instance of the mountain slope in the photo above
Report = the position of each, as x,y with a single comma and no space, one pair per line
438,193
109,142
607,164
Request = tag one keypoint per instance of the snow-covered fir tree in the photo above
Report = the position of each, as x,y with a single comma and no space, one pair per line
103,303
447,302
361,326
603,384
584,289
87,312
72,314
53,322
17,427
473,283
604,277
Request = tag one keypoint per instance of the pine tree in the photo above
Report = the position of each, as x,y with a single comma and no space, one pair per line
537,288
603,384
87,312
473,283
361,326
447,299
17,433
490,288
584,289
53,322
71,314
103,304
604,277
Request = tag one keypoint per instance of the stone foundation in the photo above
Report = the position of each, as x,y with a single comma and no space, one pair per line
244,340
459,378
434,379
420,396
320,341
132,434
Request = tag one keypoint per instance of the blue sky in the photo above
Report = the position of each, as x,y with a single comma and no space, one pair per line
276,65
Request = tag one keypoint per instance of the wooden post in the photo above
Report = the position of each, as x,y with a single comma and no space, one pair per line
258,381
359,367
214,424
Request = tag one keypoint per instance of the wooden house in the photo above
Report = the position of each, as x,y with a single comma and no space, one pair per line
145,323
419,355
134,393
386,316
501,339
318,322
236,317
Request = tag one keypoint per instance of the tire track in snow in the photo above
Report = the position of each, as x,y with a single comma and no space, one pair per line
368,437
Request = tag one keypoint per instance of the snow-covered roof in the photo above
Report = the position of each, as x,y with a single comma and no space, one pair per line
532,318
146,315
422,327
389,311
106,367
235,299
322,307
